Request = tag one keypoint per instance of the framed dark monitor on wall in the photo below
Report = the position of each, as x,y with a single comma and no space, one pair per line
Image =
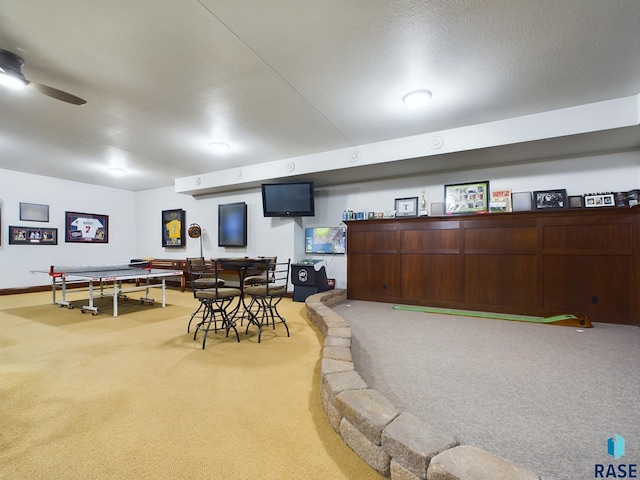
34,212
293,199
232,225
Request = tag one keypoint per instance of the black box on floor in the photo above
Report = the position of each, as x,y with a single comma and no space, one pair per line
307,280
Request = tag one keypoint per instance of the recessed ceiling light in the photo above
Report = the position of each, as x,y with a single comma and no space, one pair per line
117,171
219,147
417,99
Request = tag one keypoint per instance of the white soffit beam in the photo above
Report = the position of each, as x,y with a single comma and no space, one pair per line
593,117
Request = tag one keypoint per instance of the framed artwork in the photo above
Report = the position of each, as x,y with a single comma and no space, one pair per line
550,199
622,199
173,228
599,200
86,228
500,201
467,198
406,207
437,209
34,212
521,201
33,236
575,201
232,225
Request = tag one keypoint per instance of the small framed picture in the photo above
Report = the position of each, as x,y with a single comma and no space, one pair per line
33,236
406,207
467,198
173,228
522,201
599,200
575,201
86,228
550,199
437,209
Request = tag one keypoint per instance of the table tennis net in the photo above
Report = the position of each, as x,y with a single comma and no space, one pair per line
84,269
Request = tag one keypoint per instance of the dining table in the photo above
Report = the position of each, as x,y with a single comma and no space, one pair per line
245,267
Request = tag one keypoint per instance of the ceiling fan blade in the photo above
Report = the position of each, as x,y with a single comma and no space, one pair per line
57,94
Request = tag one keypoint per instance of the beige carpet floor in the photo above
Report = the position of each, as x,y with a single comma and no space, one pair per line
135,397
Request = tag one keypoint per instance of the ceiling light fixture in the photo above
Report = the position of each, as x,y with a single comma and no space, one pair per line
117,171
417,99
219,147
11,78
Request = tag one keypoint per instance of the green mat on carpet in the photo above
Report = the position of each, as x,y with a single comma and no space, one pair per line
567,319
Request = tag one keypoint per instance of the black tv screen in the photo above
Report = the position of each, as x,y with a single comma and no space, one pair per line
329,240
288,199
232,225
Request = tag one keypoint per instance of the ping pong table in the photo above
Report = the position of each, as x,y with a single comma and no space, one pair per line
109,279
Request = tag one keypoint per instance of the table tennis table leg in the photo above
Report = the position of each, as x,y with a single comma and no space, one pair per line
63,302
115,298
147,298
90,307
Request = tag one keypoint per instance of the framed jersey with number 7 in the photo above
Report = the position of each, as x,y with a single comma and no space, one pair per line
86,227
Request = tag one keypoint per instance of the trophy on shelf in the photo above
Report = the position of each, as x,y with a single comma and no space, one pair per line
423,212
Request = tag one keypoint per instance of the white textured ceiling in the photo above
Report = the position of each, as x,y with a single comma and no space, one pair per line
285,78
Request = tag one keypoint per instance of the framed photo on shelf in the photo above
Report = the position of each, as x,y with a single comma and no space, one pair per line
33,236
550,199
34,212
599,200
522,201
173,228
437,209
467,198
575,201
406,207
86,228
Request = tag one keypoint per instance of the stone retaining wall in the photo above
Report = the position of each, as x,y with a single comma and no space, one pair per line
397,444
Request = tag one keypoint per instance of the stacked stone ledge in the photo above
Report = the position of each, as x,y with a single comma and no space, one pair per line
398,445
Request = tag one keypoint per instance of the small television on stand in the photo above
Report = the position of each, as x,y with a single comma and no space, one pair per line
293,199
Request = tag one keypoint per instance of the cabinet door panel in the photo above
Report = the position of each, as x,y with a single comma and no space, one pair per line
612,288
373,276
432,278
566,283
501,280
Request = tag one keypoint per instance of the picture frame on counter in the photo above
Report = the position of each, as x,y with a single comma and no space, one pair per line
521,201
598,200
467,198
576,201
550,199
406,207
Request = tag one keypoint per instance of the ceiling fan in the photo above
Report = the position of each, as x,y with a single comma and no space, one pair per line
11,75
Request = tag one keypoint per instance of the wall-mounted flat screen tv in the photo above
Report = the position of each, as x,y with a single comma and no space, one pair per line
326,240
288,199
232,225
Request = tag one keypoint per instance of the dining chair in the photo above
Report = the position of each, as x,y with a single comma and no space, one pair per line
266,296
216,301
258,279
201,276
